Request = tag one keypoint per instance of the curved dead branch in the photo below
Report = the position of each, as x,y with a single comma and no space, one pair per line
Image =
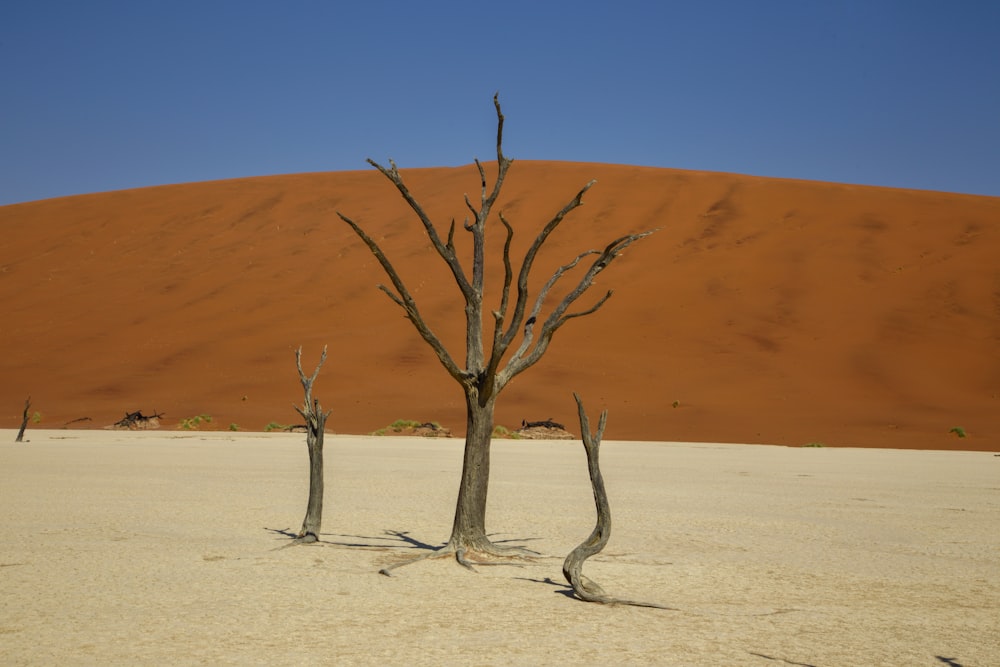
585,588
404,300
522,359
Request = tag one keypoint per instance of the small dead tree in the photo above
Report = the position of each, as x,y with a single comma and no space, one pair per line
493,355
24,420
315,418
585,588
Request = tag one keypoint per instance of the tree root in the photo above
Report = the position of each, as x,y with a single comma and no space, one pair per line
308,538
589,591
296,539
461,554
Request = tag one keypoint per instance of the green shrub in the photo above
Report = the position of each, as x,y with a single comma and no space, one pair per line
192,423
958,430
275,426
401,425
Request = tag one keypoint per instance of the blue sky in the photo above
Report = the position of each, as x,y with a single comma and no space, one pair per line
99,95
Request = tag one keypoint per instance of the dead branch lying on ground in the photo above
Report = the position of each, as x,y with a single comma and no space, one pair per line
547,423
136,420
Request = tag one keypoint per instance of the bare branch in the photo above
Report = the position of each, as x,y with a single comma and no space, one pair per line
529,260
558,316
307,382
537,308
496,103
475,213
474,310
444,250
508,273
498,349
392,295
405,300
593,309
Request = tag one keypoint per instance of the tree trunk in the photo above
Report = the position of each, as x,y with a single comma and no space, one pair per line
314,441
315,419
469,528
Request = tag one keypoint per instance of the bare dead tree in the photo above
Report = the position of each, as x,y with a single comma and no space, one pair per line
585,588
492,359
24,420
315,418
135,421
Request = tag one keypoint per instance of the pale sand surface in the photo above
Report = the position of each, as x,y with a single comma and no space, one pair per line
155,548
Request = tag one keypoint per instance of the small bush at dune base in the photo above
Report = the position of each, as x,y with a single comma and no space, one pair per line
192,423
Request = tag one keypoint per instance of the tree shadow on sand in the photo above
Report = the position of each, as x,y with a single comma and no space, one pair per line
390,540
951,662
782,660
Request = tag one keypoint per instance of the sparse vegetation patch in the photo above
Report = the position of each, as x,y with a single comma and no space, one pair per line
414,428
192,423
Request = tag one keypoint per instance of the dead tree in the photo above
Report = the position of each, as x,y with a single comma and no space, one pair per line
24,420
315,418
135,421
494,353
585,588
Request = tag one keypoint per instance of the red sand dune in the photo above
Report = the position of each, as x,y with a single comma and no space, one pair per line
770,311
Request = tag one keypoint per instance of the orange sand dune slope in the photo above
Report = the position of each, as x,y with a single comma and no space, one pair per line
763,310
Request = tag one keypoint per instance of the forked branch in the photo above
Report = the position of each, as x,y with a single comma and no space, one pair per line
402,298
526,355
528,262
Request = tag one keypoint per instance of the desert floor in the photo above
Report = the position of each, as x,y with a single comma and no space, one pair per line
165,548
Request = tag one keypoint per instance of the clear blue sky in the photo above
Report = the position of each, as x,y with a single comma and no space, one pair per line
102,95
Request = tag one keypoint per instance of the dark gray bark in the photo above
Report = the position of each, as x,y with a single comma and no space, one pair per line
490,364
315,418
586,589
469,527
24,420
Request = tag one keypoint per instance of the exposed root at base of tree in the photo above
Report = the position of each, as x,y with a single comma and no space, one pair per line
296,539
308,538
589,591
469,558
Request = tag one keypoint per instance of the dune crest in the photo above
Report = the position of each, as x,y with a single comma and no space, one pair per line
764,310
